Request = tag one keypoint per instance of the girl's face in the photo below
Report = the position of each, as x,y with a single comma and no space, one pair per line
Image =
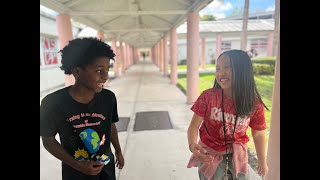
94,75
224,72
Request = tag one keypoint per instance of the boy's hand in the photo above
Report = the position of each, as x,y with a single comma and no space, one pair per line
90,167
119,159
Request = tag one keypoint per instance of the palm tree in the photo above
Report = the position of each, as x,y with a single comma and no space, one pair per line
243,45
276,27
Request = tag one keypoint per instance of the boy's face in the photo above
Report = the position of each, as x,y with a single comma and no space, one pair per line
224,72
93,76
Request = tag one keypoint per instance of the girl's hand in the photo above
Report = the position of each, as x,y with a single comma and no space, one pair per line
201,153
262,168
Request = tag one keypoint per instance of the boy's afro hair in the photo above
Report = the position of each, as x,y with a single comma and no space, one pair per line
83,51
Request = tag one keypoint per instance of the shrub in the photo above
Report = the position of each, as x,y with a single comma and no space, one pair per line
270,60
263,69
182,62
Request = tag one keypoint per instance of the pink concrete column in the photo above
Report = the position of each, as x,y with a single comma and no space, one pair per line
119,59
135,55
161,55
128,55
153,54
132,55
138,54
165,56
116,59
122,66
273,158
218,45
203,53
100,35
270,44
192,57
174,56
64,28
125,54
158,55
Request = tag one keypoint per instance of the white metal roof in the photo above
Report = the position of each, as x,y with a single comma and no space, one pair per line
140,23
230,26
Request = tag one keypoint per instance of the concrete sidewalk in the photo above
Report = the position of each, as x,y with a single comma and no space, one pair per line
151,154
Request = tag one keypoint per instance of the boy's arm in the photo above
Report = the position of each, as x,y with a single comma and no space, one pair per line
55,148
116,145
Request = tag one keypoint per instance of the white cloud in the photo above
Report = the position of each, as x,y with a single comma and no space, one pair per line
270,8
217,8
47,10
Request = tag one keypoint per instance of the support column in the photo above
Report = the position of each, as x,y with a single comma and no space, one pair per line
192,57
270,44
64,28
174,56
161,55
218,46
203,53
100,35
116,59
125,55
273,157
165,56
158,55
122,57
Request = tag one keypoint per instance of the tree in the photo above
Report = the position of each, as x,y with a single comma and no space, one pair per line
236,11
207,17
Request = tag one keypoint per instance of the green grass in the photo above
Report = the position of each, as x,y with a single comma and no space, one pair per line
265,88
265,58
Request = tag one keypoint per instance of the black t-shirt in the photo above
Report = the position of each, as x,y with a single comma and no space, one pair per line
84,129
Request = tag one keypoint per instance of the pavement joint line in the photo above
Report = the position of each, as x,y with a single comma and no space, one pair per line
131,120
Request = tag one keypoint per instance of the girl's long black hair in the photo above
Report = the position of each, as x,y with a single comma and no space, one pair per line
244,90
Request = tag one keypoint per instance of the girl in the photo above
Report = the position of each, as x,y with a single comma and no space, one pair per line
223,114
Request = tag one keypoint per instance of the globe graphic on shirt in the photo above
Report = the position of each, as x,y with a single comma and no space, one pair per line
91,140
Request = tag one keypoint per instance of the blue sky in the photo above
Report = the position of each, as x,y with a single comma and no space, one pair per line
223,8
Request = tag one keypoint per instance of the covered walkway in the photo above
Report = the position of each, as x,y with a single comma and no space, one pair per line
143,85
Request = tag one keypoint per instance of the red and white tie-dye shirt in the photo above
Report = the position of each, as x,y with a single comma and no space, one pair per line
208,106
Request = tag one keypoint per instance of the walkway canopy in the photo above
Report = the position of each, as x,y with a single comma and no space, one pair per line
140,23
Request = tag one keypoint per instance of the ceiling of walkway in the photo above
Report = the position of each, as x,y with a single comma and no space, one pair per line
140,23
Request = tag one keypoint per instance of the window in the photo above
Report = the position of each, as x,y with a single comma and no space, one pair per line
260,46
225,46
48,51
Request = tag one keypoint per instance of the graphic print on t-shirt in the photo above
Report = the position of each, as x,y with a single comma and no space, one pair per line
242,123
90,139
84,124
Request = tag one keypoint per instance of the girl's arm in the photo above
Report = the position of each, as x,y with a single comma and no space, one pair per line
260,145
194,147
